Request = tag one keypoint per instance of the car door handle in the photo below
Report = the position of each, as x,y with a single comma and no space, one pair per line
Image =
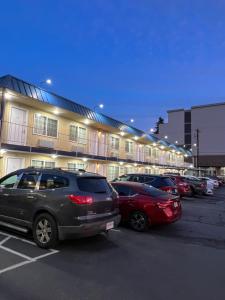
30,197
6,195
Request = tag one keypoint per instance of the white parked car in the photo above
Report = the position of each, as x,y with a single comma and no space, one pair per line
210,185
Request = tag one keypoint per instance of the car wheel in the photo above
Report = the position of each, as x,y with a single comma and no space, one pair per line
138,221
192,192
45,231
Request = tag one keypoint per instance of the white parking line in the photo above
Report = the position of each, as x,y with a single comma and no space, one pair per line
27,258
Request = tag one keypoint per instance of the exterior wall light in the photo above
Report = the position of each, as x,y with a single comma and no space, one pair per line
84,159
54,156
2,151
8,96
86,121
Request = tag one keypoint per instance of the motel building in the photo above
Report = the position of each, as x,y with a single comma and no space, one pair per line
42,129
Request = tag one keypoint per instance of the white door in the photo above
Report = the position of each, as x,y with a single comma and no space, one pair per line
14,163
18,126
102,145
93,142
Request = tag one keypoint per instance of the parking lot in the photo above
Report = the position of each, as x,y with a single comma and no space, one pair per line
184,260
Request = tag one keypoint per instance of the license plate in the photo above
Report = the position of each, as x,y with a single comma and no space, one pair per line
175,204
109,225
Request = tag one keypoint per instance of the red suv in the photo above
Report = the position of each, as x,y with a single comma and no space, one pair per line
183,187
142,205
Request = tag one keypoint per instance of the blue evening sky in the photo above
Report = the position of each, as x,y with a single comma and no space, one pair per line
138,57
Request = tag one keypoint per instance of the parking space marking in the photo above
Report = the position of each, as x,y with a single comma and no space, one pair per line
4,240
27,259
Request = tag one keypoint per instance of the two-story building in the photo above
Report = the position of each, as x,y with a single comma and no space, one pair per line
42,129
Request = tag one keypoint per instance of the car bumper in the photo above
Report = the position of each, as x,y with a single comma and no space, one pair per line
166,216
87,229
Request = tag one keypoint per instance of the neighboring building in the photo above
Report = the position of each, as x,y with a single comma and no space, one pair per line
42,129
201,129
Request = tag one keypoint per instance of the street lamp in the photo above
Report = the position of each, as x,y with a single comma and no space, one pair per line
47,81
101,106
166,137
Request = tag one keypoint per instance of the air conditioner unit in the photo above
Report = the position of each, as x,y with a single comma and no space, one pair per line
113,154
45,144
129,156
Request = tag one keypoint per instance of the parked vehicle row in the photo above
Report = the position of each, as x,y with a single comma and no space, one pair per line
54,204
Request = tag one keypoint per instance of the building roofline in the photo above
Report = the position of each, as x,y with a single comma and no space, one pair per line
208,105
30,90
175,110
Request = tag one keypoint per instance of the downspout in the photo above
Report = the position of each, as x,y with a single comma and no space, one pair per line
2,115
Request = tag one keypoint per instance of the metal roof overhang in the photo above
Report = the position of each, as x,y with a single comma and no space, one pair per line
36,95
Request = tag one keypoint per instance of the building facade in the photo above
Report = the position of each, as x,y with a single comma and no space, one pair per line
42,129
201,129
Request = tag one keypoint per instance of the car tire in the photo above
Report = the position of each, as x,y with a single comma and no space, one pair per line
138,221
192,192
45,232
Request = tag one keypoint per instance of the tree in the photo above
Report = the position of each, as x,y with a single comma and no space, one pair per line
160,121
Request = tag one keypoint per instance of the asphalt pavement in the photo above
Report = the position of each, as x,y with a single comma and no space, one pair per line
184,260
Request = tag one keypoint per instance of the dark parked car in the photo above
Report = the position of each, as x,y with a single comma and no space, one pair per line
183,187
142,205
198,187
163,183
56,204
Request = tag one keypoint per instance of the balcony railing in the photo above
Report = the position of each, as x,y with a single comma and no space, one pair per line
96,144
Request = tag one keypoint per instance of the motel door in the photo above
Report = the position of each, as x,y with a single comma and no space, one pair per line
14,163
17,132
102,144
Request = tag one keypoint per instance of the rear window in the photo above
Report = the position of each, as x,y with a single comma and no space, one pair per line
123,178
164,181
167,182
93,185
153,192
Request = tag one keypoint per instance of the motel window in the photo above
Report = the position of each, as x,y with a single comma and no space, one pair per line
148,151
76,166
114,143
45,126
129,147
78,134
113,172
42,164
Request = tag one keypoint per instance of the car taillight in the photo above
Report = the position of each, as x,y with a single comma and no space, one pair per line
162,205
81,199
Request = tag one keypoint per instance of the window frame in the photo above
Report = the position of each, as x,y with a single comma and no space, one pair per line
113,142
8,176
51,189
44,163
46,126
21,176
78,139
130,149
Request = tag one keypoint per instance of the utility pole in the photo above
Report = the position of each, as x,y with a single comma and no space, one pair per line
197,150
